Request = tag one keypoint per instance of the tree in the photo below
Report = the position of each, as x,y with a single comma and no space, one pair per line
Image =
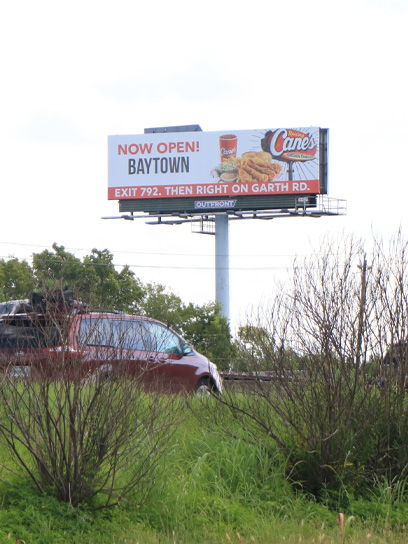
16,279
94,280
250,347
57,269
111,289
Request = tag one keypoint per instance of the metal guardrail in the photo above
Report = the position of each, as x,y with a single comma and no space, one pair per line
266,376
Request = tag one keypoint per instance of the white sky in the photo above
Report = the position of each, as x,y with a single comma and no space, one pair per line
73,73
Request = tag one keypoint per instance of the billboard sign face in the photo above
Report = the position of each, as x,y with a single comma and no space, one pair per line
228,164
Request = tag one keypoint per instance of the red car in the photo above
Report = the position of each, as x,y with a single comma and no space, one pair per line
104,342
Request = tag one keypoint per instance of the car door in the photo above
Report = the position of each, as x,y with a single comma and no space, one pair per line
136,349
96,343
169,369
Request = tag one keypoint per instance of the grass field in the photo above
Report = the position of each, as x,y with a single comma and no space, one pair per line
207,489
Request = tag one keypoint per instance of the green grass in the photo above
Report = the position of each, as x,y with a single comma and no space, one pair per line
208,489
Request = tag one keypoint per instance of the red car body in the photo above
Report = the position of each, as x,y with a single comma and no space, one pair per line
91,344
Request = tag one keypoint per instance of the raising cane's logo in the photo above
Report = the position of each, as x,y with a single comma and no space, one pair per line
289,145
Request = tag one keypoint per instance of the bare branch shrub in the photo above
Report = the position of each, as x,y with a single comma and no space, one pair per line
333,404
77,428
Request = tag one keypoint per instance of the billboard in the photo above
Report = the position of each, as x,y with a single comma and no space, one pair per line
222,164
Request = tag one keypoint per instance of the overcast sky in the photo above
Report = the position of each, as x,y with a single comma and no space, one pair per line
75,72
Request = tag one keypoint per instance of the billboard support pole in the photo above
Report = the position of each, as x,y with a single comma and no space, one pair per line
222,264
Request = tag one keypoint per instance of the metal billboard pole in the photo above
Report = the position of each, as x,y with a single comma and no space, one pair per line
222,264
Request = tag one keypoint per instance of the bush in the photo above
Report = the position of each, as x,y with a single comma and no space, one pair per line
86,438
337,426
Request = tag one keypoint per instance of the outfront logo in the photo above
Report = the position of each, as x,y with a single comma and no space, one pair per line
206,204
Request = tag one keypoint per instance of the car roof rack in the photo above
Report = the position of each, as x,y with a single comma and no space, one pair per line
103,311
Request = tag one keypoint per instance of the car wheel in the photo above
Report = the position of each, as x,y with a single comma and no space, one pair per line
203,387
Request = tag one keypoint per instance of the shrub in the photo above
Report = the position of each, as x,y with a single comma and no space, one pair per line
336,425
86,438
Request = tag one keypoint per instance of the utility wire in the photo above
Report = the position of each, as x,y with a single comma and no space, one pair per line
163,253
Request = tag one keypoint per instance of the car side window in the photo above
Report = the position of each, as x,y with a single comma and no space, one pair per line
132,335
117,333
163,340
96,332
129,334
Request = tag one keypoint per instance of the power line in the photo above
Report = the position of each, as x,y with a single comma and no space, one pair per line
198,268
183,267
166,267
161,253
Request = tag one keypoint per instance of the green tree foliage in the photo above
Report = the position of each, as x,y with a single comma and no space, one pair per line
249,348
162,304
16,279
94,280
254,346
58,268
112,289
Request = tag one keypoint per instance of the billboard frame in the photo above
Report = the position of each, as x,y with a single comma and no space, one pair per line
260,193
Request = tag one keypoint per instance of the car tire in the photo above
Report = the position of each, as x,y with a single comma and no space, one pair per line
204,387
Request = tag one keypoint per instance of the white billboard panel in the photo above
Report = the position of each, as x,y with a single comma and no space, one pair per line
207,164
